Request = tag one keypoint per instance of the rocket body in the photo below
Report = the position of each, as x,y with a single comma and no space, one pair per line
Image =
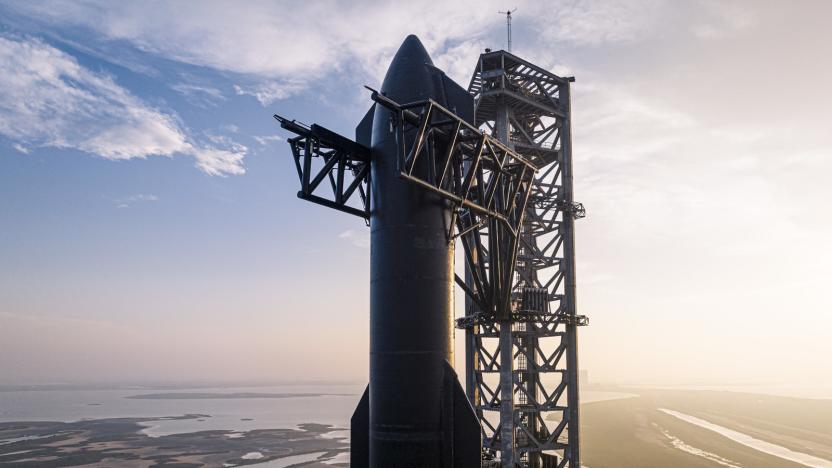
414,412
411,289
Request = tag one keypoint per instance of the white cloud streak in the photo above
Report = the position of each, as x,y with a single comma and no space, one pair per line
270,92
203,96
266,140
47,99
138,198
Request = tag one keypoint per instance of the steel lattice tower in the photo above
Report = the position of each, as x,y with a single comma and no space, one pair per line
522,365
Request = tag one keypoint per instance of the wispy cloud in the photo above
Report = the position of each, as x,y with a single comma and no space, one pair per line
267,139
203,96
270,92
47,99
125,202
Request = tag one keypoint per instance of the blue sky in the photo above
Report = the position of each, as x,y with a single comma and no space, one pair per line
149,227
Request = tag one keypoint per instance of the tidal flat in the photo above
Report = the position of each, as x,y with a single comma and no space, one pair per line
119,442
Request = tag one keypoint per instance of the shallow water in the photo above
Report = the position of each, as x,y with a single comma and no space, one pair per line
681,445
757,444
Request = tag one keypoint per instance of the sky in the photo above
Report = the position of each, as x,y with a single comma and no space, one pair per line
149,228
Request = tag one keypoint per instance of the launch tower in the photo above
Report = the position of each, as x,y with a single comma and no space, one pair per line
522,365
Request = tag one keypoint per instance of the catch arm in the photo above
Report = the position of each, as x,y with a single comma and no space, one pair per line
487,182
322,155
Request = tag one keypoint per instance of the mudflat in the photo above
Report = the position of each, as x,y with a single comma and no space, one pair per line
120,442
643,432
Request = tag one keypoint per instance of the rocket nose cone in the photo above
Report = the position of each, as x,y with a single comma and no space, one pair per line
409,78
412,49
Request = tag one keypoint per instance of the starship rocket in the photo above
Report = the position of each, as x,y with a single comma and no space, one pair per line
414,412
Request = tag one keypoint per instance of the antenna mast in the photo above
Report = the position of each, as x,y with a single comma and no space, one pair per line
508,24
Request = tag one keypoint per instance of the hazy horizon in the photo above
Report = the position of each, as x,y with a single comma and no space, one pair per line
149,228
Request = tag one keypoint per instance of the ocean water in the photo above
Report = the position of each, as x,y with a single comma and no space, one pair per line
238,414
335,407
